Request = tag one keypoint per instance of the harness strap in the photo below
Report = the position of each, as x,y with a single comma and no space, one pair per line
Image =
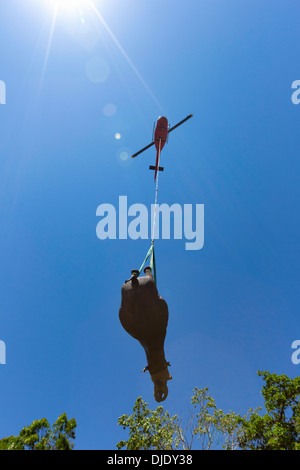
152,261
167,364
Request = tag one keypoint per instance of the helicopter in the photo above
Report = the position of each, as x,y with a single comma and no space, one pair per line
161,133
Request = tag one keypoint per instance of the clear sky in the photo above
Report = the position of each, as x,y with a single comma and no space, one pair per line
74,80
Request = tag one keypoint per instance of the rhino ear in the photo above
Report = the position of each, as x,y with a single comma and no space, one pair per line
134,275
148,271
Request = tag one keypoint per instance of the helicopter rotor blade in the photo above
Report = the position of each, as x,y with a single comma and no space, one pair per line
142,150
181,122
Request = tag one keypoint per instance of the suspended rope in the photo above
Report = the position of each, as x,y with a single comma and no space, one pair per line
151,253
156,192
152,262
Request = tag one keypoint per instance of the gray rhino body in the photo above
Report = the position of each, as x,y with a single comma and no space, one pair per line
144,315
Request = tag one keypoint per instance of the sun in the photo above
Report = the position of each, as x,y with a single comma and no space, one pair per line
70,8
68,5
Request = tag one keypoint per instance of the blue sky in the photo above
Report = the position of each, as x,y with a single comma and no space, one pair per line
234,304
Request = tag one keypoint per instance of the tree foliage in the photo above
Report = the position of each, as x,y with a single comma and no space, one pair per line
208,427
157,430
148,429
279,427
40,436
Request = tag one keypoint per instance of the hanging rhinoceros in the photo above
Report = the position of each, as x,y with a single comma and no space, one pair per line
144,315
